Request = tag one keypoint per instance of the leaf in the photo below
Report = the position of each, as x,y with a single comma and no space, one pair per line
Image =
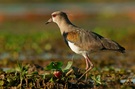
19,67
58,65
54,65
51,80
35,73
48,67
97,79
68,66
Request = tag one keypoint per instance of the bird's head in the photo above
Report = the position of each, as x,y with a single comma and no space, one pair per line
57,17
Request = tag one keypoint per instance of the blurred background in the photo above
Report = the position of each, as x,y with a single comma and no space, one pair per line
25,36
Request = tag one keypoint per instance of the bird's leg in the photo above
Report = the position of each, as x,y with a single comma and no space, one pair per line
89,66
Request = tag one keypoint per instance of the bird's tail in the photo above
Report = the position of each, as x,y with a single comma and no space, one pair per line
112,45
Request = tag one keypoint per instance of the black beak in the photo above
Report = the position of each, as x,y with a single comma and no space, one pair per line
49,21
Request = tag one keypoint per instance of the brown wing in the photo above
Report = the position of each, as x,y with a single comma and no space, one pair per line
84,39
91,41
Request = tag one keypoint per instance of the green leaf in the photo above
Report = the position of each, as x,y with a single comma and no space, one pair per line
51,80
68,66
54,65
97,79
35,73
58,65
19,67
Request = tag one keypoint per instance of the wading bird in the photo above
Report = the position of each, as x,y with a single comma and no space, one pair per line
82,41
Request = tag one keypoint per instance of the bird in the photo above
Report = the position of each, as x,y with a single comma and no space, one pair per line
82,41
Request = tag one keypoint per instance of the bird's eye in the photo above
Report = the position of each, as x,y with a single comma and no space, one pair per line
54,15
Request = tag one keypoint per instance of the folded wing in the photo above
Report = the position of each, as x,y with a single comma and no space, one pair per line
91,41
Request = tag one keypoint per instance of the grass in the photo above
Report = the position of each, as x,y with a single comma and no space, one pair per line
18,36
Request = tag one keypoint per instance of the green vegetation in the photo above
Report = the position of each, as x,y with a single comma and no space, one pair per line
38,37
34,76
23,41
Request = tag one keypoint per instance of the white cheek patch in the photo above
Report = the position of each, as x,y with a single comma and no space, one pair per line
53,19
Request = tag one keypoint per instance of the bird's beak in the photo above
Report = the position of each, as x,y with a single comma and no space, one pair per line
49,21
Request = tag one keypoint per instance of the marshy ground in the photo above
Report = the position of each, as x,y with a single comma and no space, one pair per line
28,47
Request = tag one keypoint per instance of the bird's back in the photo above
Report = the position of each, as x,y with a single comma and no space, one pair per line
91,41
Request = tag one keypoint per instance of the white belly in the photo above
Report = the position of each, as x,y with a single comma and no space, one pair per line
75,48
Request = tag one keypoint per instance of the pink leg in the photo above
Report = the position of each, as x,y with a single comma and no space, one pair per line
89,66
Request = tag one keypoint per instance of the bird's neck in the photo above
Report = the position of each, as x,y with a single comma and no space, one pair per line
65,26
